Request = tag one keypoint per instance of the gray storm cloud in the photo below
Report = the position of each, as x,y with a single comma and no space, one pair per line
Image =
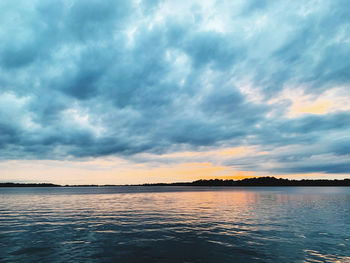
91,78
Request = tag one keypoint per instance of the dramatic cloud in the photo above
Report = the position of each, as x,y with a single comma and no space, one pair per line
151,81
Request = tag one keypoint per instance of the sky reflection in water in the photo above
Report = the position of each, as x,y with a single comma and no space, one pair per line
176,224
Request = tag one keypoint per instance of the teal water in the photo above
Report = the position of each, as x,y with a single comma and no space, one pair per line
175,224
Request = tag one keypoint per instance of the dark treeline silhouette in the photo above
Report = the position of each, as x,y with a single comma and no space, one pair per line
256,181
28,185
262,181
82,185
45,185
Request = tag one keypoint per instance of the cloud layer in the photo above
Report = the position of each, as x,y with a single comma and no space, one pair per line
143,79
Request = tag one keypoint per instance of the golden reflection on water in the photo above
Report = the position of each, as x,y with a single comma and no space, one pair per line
317,257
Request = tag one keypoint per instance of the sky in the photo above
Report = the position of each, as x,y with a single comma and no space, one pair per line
124,92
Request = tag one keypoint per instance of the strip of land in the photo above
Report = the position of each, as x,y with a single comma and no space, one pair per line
257,181
264,181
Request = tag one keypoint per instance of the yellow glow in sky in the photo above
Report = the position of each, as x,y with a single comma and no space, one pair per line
311,107
117,171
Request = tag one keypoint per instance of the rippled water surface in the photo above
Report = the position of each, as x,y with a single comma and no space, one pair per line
175,224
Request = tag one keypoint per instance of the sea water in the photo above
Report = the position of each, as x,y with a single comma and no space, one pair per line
175,224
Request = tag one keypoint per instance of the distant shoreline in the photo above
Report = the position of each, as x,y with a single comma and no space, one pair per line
257,181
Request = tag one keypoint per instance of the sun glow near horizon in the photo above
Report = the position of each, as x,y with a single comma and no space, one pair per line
115,171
